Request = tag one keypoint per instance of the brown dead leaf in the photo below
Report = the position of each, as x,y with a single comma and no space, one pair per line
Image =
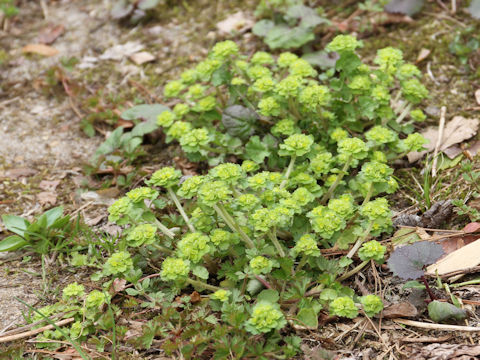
118,285
456,130
236,23
195,297
142,57
402,309
47,198
477,96
49,34
40,49
95,221
49,185
443,352
422,55
18,173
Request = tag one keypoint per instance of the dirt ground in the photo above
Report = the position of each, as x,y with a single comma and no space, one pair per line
41,122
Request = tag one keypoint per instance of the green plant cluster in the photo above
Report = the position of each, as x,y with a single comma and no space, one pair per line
231,105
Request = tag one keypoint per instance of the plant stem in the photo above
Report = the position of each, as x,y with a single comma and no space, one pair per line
427,287
273,238
289,171
162,248
164,229
202,284
337,181
302,262
211,149
263,281
174,197
404,113
369,195
230,221
360,241
353,271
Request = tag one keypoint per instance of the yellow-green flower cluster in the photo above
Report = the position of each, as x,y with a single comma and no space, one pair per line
269,107
372,304
376,209
343,205
206,68
119,208
302,68
302,196
73,290
193,246
360,83
262,58
306,245
372,250
118,263
228,172
142,193
375,172
322,163
343,306
418,115
189,76
314,96
95,299
381,94
338,134
380,135
173,88
174,269
166,118
289,86
296,145
247,202
224,50
202,221
181,109
256,72
343,44
353,147
325,221
194,140
189,188
223,239
261,265
389,59
286,59
212,192
178,129
141,235
165,177
407,71
265,318
415,142
206,104
221,295
196,91
263,219
284,127
263,85
414,91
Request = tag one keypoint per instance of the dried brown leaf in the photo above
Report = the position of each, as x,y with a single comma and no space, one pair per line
422,55
456,130
40,49
142,57
402,309
236,23
477,96
49,185
47,198
49,34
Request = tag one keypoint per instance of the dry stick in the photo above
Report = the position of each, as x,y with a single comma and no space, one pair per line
441,127
27,334
442,327
4,332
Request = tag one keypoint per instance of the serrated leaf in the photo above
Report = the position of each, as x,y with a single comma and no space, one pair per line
256,150
474,9
407,7
201,272
441,311
308,317
269,295
285,37
407,262
263,27
239,121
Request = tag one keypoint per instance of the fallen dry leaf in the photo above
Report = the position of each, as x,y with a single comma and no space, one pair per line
477,96
118,52
402,309
118,285
49,185
456,130
142,57
236,23
47,198
18,173
40,49
49,34
422,55
443,352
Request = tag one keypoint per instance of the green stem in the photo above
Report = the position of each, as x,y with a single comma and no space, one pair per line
360,241
289,171
369,195
339,178
302,262
211,149
230,221
404,113
275,242
162,248
353,271
202,284
164,229
174,197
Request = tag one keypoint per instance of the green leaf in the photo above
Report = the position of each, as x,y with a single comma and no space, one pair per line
269,296
147,4
53,215
12,243
308,317
442,311
413,284
254,286
284,37
148,112
112,143
405,236
221,76
15,224
201,272
322,59
308,16
239,121
263,27
256,150
407,7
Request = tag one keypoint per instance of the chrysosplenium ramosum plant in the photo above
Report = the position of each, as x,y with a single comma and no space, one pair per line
229,104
